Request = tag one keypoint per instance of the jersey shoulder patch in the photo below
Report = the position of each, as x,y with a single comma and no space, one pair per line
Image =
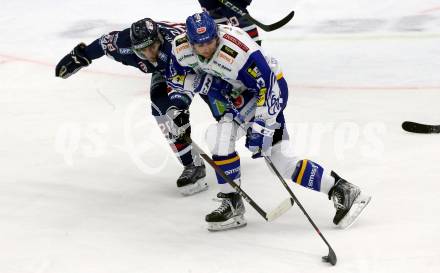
109,42
183,52
181,44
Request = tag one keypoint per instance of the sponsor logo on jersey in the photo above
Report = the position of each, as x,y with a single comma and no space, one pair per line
206,85
261,97
181,41
178,79
222,66
107,43
162,56
226,49
254,71
182,47
201,30
184,57
239,102
225,57
125,51
237,42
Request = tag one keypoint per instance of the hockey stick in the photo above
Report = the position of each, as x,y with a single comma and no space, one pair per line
331,257
420,128
269,217
264,27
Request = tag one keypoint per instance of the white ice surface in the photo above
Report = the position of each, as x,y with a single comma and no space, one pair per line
87,184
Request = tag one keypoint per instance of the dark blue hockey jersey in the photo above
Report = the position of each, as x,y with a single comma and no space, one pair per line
117,45
224,15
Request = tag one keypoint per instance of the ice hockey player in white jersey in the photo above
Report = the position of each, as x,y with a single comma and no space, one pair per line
247,94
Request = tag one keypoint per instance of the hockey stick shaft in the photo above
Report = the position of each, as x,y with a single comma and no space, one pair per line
331,256
272,215
264,27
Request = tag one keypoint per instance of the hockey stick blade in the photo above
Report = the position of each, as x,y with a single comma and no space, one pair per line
330,258
414,127
273,26
280,210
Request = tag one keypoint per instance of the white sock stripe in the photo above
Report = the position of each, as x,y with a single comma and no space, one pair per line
184,151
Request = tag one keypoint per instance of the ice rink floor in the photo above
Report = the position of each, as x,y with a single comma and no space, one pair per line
87,183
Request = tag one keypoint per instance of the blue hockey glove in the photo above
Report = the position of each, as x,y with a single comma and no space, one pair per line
259,139
214,87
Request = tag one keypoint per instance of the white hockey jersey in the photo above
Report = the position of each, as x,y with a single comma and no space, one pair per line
237,60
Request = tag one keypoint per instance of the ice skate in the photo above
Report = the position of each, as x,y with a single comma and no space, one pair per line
229,215
192,180
348,201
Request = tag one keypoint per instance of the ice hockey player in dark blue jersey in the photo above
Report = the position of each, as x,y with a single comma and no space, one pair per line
226,16
146,45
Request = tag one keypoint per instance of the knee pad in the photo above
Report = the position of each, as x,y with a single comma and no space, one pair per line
308,174
221,138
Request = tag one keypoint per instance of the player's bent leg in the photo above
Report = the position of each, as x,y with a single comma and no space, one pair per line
347,198
191,180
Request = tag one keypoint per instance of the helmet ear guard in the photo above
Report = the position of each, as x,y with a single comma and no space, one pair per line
201,28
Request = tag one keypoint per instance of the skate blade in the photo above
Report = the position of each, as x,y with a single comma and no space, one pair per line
233,223
356,210
192,189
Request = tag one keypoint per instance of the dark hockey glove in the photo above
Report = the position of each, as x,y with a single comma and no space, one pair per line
179,122
72,62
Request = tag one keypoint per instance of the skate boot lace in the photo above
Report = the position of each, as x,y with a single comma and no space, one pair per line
225,204
337,200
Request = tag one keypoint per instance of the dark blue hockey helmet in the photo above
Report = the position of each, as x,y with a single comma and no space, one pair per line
143,33
201,28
